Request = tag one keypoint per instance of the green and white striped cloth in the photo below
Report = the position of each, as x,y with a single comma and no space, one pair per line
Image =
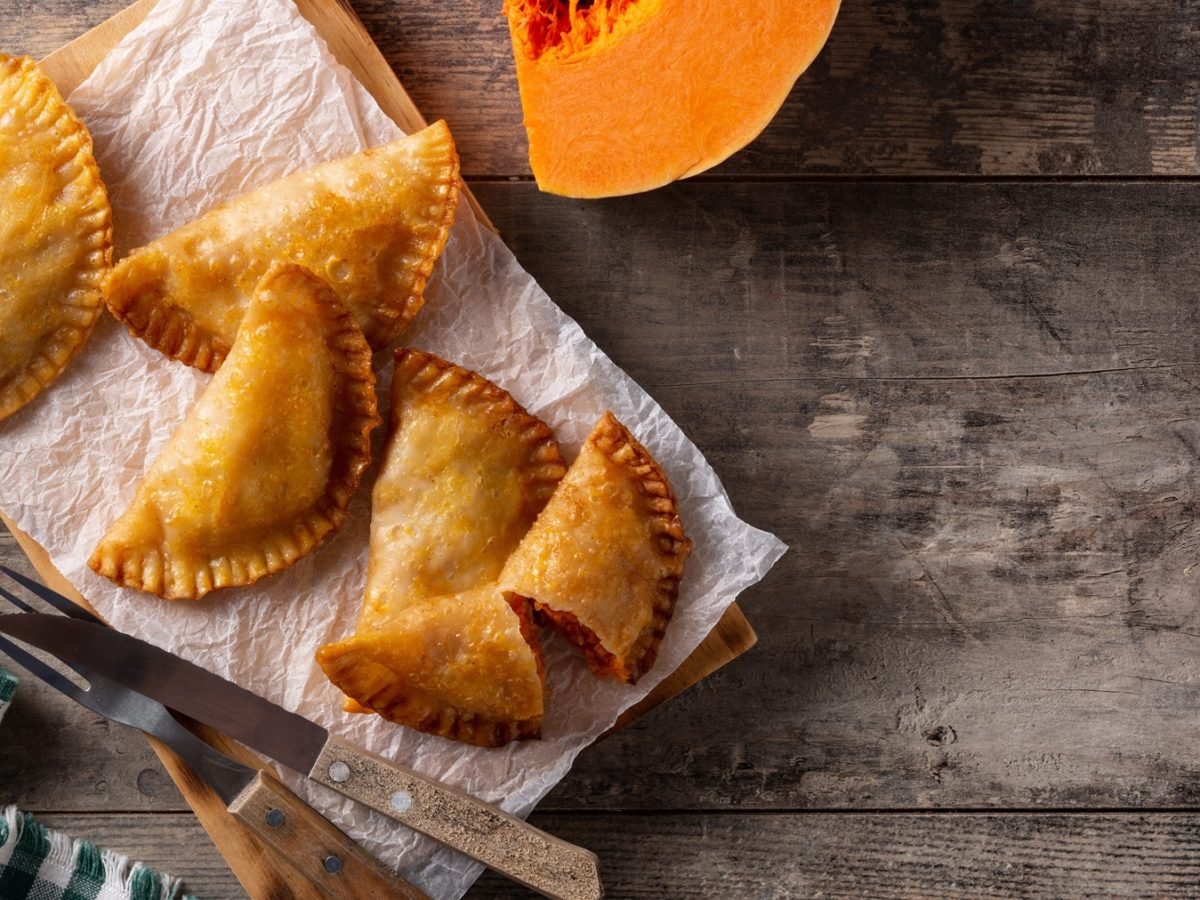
8,687
39,864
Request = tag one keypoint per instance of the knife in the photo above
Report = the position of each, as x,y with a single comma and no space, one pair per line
498,840
329,859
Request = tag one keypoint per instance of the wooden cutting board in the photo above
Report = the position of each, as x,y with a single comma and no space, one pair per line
260,870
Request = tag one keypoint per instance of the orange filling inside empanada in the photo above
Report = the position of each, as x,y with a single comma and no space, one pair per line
604,559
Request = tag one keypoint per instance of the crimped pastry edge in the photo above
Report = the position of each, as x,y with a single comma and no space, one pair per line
386,326
426,374
373,686
174,332
659,504
429,375
168,329
64,344
145,569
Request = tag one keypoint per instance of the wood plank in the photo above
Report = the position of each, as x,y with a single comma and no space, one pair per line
960,87
775,856
970,409
884,856
765,855
855,280
912,88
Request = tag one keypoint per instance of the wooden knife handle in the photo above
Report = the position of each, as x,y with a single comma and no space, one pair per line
502,842
328,858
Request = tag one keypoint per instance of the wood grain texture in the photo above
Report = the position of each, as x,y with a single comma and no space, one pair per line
325,856
762,857
500,841
259,869
973,419
800,855
961,87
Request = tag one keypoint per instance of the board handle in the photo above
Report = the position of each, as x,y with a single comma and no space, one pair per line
502,842
336,865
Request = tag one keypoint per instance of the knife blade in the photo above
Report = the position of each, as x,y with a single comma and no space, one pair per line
330,860
500,841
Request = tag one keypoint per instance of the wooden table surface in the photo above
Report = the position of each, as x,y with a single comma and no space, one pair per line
937,329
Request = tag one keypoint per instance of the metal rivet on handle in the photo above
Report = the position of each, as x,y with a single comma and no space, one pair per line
274,817
339,772
401,801
333,864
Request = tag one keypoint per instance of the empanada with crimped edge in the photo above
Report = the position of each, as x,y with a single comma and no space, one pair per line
264,466
465,472
466,666
55,233
372,225
603,561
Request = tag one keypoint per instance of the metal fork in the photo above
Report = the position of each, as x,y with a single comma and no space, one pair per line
114,701
330,860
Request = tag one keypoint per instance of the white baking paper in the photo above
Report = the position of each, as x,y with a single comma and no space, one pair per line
205,101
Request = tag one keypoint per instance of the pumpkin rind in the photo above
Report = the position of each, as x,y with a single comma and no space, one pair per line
672,88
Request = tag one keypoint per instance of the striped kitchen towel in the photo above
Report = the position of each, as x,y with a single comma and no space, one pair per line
39,864
8,687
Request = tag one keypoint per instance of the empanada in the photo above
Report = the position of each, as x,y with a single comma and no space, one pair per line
603,561
55,233
263,468
465,473
372,225
466,666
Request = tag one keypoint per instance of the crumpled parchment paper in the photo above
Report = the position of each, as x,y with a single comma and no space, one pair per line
199,104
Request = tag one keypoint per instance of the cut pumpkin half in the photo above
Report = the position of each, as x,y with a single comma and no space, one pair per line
622,96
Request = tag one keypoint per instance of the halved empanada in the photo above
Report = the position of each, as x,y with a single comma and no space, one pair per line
465,473
263,468
603,561
55,233
372,225
466,666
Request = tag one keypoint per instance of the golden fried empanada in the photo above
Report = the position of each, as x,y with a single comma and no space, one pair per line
466,666
465,473
372,225
263,468
603,561
55,233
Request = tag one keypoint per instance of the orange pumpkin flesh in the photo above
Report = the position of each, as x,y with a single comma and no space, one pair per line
623,96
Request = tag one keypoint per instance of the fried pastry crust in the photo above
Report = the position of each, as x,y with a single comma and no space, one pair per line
604,559
372,225
465,473
263,468
55,234
462,666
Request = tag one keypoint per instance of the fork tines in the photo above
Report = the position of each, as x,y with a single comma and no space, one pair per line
55,599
